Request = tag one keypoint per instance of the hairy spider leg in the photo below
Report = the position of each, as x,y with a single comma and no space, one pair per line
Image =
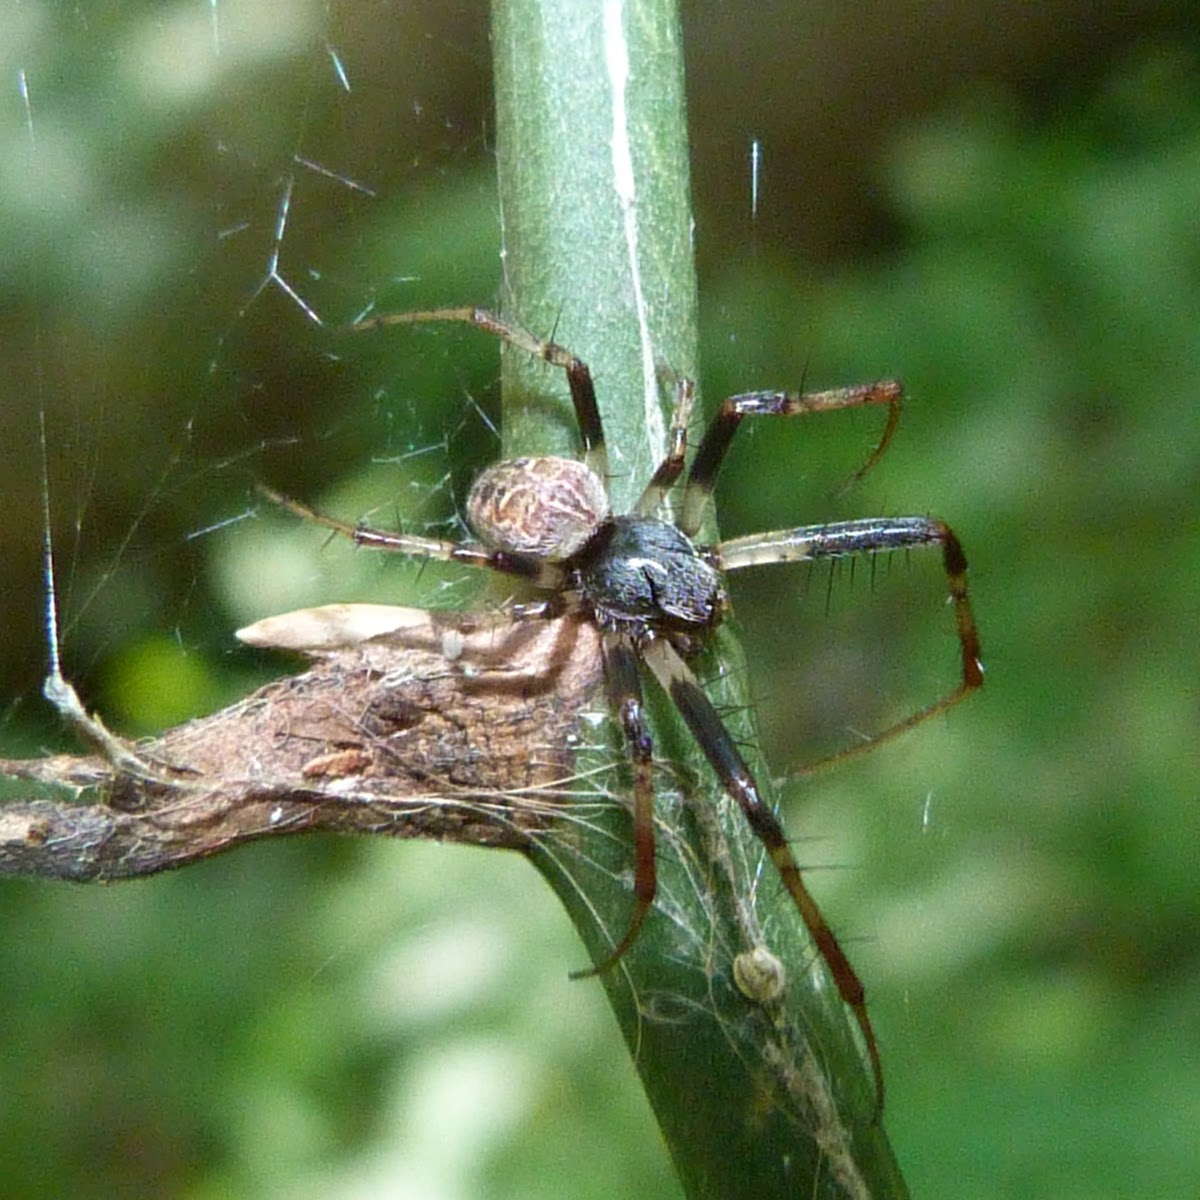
671,467
726,760
623,682
579,377
719,434
811,542
537,571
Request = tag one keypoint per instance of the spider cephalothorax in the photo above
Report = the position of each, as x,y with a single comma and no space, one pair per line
654,594
639,575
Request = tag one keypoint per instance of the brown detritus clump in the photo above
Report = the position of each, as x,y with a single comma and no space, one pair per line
450,726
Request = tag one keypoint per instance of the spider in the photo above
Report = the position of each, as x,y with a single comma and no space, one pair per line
655,594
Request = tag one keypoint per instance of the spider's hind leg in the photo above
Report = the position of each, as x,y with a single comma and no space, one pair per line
579,376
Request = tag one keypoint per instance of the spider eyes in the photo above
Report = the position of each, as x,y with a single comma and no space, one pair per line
545,507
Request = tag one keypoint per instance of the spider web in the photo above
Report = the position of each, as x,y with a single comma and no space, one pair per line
195,349
264,177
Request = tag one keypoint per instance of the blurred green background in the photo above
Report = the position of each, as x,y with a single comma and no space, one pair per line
998,205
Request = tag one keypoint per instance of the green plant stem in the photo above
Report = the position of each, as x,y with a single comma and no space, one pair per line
756,1097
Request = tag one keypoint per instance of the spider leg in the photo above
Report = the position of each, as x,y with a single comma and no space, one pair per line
671,466
726,760
811,542
537,571
625,694
719,434
579,377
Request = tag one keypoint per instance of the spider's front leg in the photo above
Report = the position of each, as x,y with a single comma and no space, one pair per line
734,409
671,466
718,746
843,538
625,695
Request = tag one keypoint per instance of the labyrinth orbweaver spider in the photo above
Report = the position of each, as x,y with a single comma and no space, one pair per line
654,593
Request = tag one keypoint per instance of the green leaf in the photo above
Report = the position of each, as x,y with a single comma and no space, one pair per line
758,1094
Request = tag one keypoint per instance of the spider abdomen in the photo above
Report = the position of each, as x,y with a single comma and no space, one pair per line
547,507
639,572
